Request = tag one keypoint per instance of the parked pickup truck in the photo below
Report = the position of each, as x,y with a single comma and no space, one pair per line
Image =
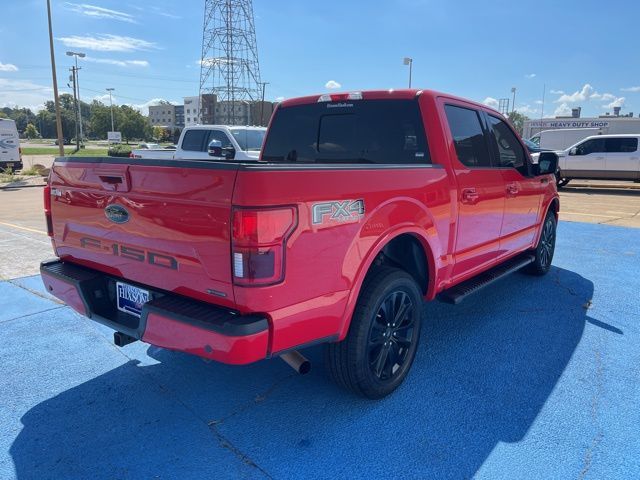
241,144
601,157
362,205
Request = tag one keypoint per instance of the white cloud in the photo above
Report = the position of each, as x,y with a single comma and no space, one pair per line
119,63
491,102
8,67
557,92
99,12
631,89
581,95
332,85
24,93
107,43
617,102
527,110
279,99
539,102
563,110
530,75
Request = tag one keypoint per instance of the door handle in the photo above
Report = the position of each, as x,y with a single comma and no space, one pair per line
512,189
470,195
544,180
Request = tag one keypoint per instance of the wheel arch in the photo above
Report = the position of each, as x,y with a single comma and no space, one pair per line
397,248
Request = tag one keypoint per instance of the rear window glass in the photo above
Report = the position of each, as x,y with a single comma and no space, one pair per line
249,140
468,136
371,131
621,145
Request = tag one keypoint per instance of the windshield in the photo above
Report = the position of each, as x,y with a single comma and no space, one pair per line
249,140
369,131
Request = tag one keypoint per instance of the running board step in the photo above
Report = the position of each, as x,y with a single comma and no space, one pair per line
461,291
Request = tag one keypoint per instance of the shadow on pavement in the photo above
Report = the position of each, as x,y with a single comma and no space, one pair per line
484,372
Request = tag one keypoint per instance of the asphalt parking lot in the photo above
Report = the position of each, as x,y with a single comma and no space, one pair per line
532,378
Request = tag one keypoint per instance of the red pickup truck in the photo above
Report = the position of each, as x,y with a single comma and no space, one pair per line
362,205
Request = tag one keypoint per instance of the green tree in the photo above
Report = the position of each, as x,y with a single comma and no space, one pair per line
158,133
31,132
517,120
132,124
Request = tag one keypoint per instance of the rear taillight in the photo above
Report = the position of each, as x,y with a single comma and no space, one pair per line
47,209
258,243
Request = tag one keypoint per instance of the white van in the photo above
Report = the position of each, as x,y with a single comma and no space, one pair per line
563,137
10,152
604,157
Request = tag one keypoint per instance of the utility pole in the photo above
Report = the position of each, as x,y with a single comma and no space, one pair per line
111,103
75,103
544,92
513,106
77,86
55,85
262,122
409,61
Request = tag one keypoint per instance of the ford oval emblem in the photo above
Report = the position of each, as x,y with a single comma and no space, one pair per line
117,213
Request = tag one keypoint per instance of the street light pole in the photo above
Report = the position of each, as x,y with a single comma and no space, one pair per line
409,61
76,55
55,85
111,103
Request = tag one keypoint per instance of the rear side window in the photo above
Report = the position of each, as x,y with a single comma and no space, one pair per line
468,136
194,140
357,131
595,145
621,145
508,147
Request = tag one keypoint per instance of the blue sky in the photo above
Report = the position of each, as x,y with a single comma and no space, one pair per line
586,52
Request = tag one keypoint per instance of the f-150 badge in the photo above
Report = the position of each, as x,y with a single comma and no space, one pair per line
337,210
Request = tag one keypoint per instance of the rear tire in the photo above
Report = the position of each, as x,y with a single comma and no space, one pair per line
375,357
545,248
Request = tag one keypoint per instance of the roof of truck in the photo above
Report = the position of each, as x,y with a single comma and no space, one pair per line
400,94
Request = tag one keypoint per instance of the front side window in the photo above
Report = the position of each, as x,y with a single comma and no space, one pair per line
468,136
621,145
508,147
595,145
194,140
354,131
219,136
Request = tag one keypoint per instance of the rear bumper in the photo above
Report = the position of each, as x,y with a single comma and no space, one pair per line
167,320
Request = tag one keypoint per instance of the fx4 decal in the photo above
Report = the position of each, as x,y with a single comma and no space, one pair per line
338,210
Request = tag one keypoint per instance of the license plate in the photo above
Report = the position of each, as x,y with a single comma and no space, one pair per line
9,165
130,299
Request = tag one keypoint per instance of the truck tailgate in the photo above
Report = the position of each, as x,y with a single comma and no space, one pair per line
164,224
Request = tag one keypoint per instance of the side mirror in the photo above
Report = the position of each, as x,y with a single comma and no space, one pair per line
547,163
215,148
573,151
229,153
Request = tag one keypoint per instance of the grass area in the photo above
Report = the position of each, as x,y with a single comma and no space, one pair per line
84,152
6,175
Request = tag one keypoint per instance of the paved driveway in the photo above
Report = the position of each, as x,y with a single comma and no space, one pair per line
534,378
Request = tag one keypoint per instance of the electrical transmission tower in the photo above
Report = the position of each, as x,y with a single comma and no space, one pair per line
229,66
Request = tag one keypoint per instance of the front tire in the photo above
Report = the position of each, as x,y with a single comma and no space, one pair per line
546,247
560,180
375,357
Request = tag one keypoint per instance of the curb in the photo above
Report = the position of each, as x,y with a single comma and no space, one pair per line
608,186
12,186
